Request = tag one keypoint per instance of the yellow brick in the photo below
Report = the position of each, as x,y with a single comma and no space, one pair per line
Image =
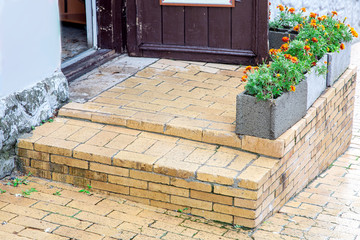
75,113
253,177
94,153
193,133
75,180
26,141
109,169
65,131
212,215
38,172
134,160
127,182
108,119
175,168
216,175
166,205
33,154
140,145
246,203
149,194
191,202
298,127
236,192
40,165
69,161
85,173
149,176
210,197
146,125
168,189
121,141
205,187
102,138
246,213
55,146
272,148
110,187
221,137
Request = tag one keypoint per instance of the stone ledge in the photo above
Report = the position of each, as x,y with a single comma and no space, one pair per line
22,110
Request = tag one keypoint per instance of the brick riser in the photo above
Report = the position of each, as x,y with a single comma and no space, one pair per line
222,184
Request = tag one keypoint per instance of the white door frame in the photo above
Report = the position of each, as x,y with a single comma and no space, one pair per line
91,23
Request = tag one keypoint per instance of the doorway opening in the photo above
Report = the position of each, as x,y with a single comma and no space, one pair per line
77,29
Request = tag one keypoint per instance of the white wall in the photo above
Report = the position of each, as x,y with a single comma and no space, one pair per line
30,45
345,8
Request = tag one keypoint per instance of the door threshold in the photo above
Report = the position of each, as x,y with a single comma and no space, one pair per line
86,61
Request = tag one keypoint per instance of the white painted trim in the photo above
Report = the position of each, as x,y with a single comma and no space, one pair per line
94,24
89,23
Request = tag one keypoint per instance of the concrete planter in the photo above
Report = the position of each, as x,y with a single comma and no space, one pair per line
316,83
338,62
275,37
270,119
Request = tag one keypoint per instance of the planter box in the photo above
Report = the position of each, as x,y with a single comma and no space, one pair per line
338,62
316,83
275,37
270,119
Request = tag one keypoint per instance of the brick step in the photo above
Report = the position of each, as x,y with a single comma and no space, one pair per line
213,181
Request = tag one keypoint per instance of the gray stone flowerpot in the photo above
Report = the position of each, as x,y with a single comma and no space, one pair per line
275,37
270,119
338,62
316,83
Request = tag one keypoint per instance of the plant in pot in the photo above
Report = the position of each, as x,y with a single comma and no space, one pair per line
276,94
284,25
338,36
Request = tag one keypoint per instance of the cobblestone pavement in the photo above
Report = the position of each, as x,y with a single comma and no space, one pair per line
329,208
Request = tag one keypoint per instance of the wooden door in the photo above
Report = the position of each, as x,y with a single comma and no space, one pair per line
229,35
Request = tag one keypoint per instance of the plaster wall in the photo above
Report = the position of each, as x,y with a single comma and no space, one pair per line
30,47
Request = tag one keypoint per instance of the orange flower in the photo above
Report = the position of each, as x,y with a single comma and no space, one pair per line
337,26
323,17
269,3
353,32
248,68
296,28
293,88
294,59
292,10
281,7
313,15
277,75
287,56
325,62
243,78
314,39
310,54
303,9
342,46
307,47
334,13
313,64
284,47
285,39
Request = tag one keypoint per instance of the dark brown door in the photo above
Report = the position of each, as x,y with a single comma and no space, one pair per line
228,35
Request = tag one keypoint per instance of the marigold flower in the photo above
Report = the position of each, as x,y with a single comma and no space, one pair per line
314,39
325,62
243,78
294,59
248,68
293,88
337,26
256,68
323,27
342,46
285,39
303,9
278,75
307,47
313,15
284,47
310,54
280,7
313,64
269,3
334,13
292,10
328,49
287,56
296,28
323,17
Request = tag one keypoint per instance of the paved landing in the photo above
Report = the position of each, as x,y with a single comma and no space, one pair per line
185,99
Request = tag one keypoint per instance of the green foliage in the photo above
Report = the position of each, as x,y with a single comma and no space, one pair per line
57,193
316,37
182,210
18,181
2,191
28,192
87,190
286,19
